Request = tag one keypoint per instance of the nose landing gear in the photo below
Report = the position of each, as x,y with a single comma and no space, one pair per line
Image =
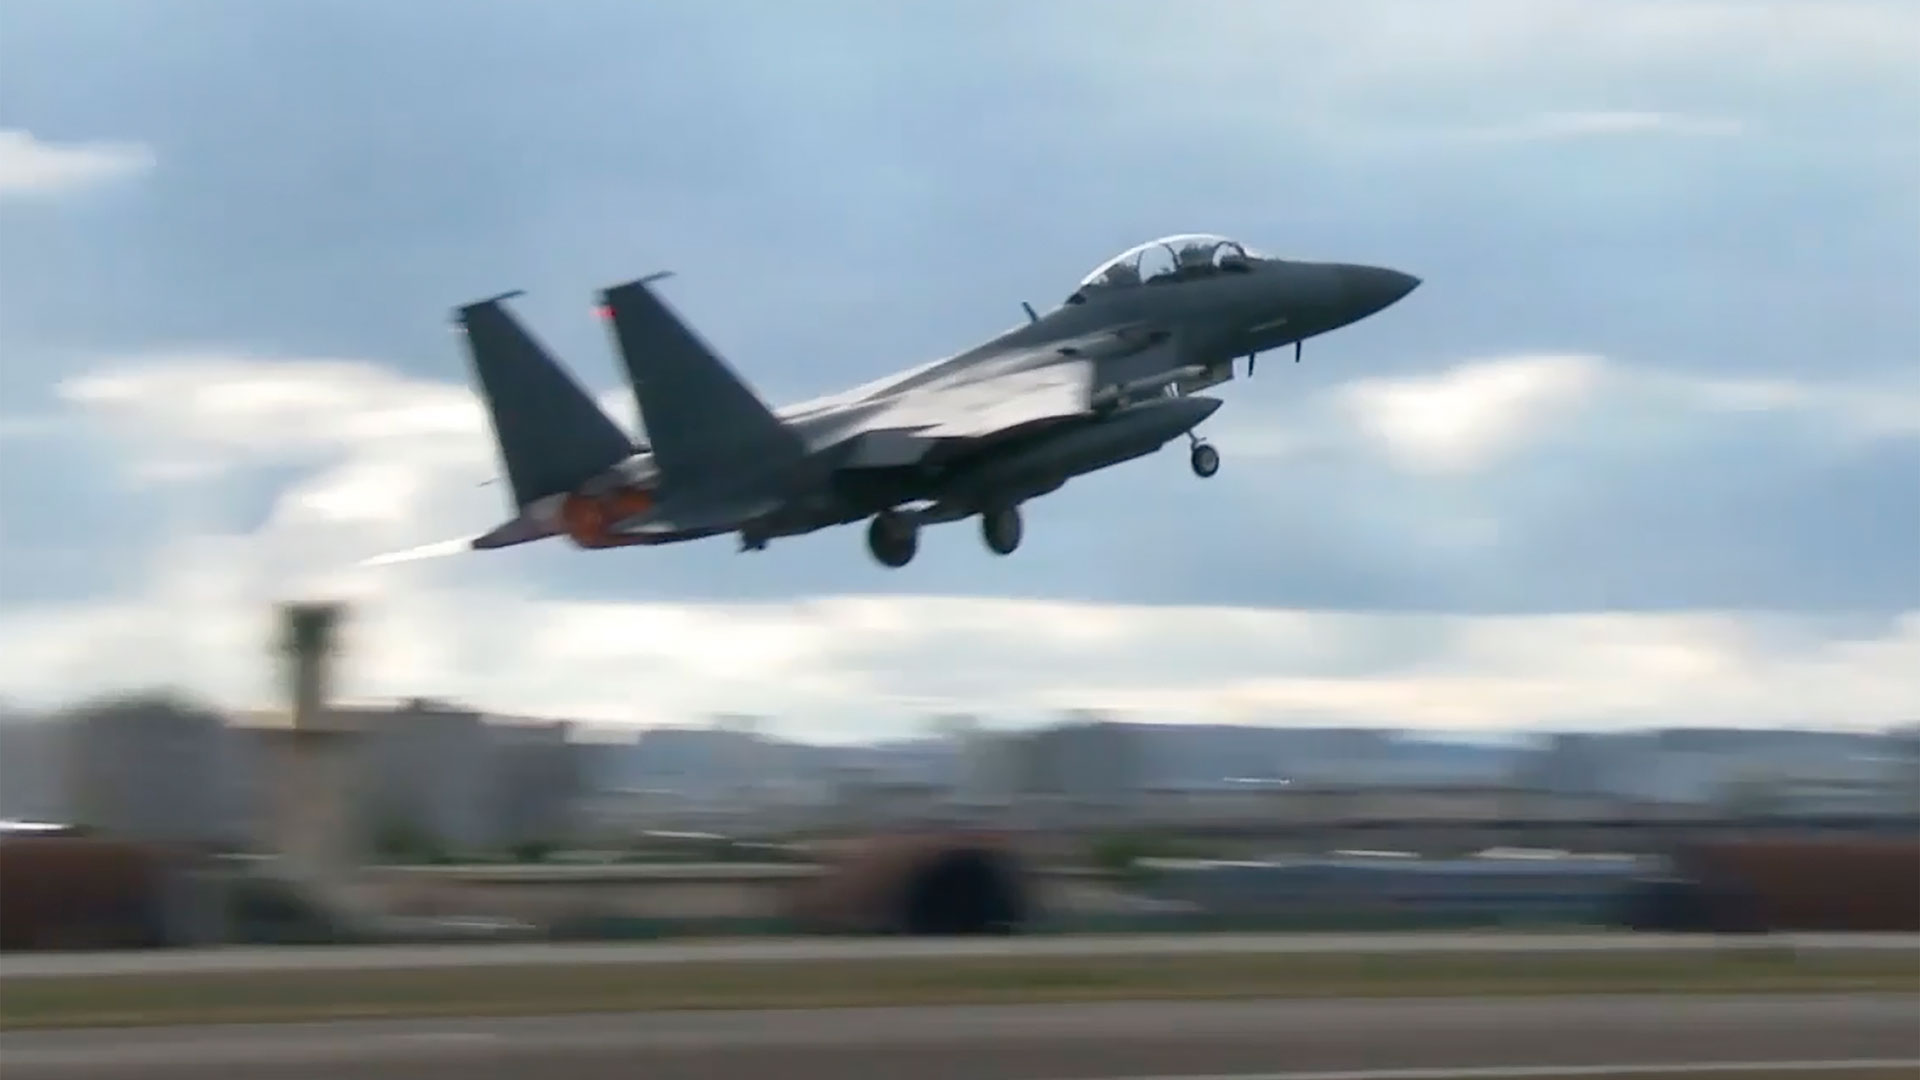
1203,458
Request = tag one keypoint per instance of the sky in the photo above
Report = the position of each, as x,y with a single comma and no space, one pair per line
1643,449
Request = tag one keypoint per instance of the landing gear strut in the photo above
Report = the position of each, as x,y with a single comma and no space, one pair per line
893,538
1204,459
1000,528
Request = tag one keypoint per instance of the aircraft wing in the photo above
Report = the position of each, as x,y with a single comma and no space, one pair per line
1001,394
1017,388
995,401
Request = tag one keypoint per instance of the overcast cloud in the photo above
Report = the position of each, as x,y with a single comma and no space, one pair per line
1644,448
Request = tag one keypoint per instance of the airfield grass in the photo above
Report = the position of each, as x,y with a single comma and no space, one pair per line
254,997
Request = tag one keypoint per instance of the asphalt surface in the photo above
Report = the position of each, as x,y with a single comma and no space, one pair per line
372,957
1277,1040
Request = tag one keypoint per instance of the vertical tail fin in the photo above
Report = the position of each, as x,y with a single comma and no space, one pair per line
705,426
552,436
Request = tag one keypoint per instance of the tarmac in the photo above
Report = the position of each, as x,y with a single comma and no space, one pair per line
1459,1039
774,950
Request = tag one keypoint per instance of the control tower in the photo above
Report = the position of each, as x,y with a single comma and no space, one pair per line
309,764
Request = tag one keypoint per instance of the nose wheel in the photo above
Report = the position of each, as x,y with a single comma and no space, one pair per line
1204,459
1000,528
893,538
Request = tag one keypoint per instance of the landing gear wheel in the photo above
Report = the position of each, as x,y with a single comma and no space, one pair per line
893,539
1001,529
1204,459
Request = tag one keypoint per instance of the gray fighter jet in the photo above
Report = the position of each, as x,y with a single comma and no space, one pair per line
1111,374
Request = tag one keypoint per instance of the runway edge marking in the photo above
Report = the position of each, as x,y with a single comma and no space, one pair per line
1502,1072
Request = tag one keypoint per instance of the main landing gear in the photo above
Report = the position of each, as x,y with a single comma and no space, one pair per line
894,537
1000,528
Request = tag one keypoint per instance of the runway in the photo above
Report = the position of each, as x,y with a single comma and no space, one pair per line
774,950
1471,1039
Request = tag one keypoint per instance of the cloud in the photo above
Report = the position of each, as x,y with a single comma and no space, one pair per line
1856,411
1614,67
1466,417
385,461
849,665
25,428
1599,123
1469,416
1662,370
1371,40
201,413
31,166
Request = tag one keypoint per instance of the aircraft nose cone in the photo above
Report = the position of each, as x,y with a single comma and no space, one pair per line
1372,288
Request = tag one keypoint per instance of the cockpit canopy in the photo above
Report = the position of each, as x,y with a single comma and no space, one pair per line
1170,259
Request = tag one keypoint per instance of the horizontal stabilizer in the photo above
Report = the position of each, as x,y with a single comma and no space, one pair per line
520,530
437,550
552,436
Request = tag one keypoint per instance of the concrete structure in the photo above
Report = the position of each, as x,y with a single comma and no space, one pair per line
988,771
424,786
1903,768
1088,768
311,815
33,769
308,766
705,765
538,784
1727,771
866,801
1175,805
149,769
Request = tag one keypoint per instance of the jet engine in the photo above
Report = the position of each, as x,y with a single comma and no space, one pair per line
588,519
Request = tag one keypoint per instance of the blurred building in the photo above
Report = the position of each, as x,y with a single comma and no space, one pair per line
705,766
146,769
539,783
425,775
1903,768
1726,771
429,778
440,779
988,776
33,770
1087,768
1222,802
871,798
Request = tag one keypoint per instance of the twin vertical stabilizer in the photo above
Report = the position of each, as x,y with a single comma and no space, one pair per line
552,436
721,454
708,431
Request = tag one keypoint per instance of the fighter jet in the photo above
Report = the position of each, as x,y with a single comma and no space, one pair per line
1111,374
